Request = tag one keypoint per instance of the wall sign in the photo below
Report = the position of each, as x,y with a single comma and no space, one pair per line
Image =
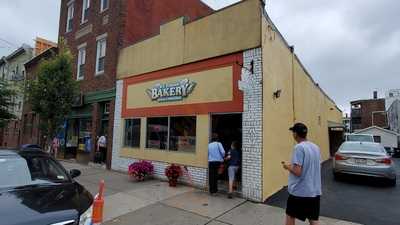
171,92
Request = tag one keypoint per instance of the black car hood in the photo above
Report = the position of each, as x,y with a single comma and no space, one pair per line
43,205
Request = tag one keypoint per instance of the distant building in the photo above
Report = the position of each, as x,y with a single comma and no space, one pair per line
30,120
12,70
391,96
387,138
368,112
346,123
42,45
393,114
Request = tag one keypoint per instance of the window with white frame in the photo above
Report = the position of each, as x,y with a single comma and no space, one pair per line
101,54
81,63
103,5
70,17
85,10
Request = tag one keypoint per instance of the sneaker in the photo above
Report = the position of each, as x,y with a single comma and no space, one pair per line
230,195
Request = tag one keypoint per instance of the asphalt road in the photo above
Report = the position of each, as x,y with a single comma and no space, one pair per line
369,201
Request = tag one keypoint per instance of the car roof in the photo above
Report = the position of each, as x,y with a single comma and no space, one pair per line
6,152
15,152
362,143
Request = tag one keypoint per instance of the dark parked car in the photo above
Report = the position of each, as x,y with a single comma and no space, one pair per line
29,146
36,190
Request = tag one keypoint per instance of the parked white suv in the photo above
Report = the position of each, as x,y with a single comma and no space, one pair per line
360,137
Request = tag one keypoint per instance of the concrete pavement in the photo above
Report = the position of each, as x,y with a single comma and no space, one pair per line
154,203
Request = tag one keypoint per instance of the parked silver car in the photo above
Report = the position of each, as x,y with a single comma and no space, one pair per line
364,158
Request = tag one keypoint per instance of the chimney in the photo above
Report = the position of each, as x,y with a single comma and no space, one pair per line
375,94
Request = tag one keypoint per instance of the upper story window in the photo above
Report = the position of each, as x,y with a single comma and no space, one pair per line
81,62
101,53
103,5
85,10
70,17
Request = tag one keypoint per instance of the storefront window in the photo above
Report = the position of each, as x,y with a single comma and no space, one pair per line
182,134
172,133
157,133
85,127
132,133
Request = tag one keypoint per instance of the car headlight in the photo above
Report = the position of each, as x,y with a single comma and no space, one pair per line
86,217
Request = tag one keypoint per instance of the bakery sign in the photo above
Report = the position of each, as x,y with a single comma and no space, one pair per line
172,91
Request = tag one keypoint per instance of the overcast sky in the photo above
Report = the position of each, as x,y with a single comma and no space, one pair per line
351,48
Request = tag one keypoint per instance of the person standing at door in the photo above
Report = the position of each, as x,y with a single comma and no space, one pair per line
102,147
304,184
234,158
216,154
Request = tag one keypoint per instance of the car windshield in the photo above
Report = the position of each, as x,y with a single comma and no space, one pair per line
363,138
18,171
360,147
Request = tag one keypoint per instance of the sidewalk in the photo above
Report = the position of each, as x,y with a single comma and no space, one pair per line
154,203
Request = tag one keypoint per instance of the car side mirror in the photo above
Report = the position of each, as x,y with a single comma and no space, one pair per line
75,173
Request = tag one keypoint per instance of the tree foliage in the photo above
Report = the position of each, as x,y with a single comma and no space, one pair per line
52,93
6,95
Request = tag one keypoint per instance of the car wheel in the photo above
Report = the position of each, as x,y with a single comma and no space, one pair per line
392,182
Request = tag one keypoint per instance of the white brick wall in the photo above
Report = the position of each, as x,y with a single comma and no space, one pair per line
251,84
198,175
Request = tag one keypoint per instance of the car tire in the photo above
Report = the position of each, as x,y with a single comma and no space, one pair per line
392,182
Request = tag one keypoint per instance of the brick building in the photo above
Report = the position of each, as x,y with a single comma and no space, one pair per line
42,45
368,112
95,30
30,133
230,73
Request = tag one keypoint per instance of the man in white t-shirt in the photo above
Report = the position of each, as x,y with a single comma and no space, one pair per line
102,147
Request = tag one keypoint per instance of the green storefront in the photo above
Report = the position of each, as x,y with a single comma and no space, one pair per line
89,119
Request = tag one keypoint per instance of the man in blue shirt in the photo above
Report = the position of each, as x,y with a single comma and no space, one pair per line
216,154
304,184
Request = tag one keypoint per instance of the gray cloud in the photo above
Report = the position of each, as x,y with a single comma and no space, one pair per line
350,47
21,21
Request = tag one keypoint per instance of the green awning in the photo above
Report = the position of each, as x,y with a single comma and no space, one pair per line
99,96
82,112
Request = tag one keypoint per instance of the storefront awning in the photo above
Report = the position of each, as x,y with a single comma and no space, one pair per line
82,112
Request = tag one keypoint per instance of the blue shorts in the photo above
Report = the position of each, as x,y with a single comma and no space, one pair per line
232,170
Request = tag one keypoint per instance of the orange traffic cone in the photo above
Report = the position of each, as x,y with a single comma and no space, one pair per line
98,205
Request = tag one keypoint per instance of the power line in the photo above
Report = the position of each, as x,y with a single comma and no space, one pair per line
7,42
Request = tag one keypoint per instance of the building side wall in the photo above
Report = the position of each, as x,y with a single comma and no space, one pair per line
394,116
230,30
300,100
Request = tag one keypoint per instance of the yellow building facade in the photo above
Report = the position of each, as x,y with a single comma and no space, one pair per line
230,73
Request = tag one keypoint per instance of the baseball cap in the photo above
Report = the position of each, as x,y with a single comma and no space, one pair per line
299,128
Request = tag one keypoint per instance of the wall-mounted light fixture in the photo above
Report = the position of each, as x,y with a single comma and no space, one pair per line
277,94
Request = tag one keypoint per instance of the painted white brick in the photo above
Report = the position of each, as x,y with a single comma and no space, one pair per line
252,126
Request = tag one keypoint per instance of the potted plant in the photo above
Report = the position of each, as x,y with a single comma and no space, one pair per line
140,170
173,172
